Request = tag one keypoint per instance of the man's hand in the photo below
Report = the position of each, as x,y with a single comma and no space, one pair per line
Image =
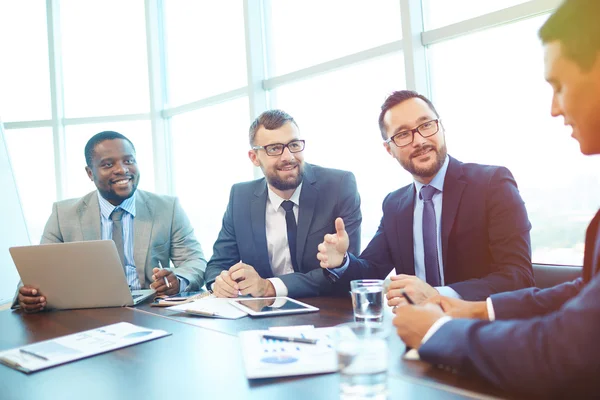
224,286
334,246
418,290
457,308
413,322
159,283
250,282
31,300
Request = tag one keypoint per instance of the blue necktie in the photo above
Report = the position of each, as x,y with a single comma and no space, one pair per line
432,269
290,221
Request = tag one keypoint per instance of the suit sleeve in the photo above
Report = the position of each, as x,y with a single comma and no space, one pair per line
509,242
532,302
51,234
225,250
314,283
545,356
186,252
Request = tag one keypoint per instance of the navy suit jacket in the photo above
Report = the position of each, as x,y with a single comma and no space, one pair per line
485,234
326,194
542,342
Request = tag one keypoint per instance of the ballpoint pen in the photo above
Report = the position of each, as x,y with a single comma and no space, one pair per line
410,301
31,353
290,339
165,278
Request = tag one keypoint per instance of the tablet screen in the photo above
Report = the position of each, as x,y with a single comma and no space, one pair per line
271,304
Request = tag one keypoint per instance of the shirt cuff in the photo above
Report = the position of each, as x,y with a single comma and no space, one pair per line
280,289
333,274
448,292
183,284
490,309
434,328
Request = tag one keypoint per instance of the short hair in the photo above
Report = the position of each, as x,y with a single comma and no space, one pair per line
396,98
575,24
270,119
98,138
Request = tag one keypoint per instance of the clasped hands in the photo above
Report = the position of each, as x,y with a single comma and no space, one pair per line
242,279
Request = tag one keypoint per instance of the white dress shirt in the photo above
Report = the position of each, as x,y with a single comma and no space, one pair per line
277,241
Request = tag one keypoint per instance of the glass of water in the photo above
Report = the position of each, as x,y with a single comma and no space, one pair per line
367,300
363,360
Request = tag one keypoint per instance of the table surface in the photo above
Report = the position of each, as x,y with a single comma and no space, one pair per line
201,357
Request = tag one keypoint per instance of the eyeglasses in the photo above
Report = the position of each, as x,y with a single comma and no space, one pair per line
276,149
405,138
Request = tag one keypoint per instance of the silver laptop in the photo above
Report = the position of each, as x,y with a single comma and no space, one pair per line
77,274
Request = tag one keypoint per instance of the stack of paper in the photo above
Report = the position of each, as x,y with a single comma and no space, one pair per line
210,306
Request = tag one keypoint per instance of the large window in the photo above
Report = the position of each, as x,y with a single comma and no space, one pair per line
308,32
210,153
330,64
24,73
438,13
495,105
104,57
206,51
32,158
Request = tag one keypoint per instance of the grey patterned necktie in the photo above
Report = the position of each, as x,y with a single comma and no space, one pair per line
432,269
117,232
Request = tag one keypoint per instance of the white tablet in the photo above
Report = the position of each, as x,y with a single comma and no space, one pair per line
262,306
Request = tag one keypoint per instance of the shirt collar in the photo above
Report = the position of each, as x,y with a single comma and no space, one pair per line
275,200
438,180
106,208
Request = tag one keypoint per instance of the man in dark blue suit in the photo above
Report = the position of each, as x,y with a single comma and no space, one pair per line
541,342
460,229
273,225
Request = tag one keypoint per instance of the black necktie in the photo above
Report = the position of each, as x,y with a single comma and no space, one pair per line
290,221
432,269
117,232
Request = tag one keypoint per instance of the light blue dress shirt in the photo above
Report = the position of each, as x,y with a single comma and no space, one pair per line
106,224
418,250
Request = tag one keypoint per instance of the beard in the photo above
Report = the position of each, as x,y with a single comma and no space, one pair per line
428,172
285,184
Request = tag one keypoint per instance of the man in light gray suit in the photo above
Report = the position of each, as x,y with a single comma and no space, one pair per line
272,226
147,228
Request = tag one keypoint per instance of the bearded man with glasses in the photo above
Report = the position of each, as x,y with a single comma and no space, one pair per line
460,229
273,225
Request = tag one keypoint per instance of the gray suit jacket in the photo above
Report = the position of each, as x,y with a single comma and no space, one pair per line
326,194
162,231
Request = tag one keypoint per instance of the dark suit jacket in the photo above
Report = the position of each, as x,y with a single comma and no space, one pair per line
485,234
547,347
326,194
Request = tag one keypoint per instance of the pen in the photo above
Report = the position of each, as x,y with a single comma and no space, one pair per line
408,298
201,312
165,278
290,339
31,353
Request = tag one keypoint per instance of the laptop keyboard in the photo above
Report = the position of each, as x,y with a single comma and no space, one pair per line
135,296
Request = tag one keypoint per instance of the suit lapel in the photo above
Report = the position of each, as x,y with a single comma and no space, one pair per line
258,209
308,201
453,189
89,218
142,230
404,228
591,237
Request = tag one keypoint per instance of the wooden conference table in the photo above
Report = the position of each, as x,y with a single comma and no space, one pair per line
202,358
